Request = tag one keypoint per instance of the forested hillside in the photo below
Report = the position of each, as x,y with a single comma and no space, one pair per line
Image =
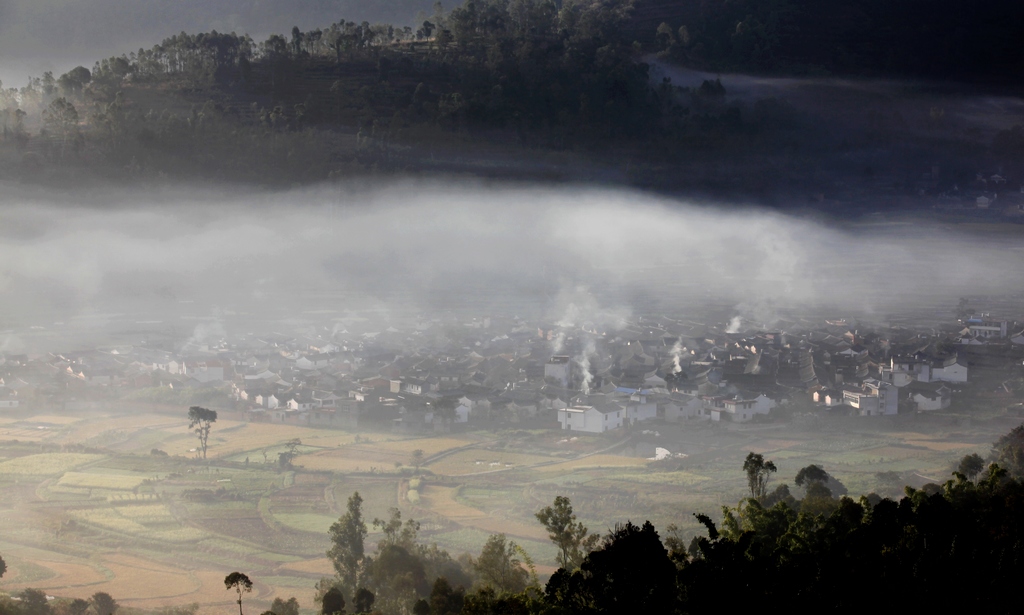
534,89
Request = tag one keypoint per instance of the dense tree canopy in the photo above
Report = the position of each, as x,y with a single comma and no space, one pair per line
934,38
758,472
348,538
571,537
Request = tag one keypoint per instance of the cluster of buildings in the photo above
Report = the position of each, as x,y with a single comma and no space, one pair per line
432,375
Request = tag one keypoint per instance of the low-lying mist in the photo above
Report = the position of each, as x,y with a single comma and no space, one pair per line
419,247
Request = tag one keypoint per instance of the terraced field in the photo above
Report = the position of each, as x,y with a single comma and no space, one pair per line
153,530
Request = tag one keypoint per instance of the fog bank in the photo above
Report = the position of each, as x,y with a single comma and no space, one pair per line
426,246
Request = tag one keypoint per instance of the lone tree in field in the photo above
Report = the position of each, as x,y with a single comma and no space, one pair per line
758,472
569,535
240,583
200,420
416,458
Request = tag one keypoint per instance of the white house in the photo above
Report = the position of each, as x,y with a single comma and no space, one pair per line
680,406
930,396
827,397
302,403
872,398
640,408
591,419
738,408
987,329
269,401
949,370
902,371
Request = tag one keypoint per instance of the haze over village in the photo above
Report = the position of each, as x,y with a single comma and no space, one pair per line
452,372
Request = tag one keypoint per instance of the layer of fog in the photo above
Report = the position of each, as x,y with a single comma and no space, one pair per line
57,35
428,247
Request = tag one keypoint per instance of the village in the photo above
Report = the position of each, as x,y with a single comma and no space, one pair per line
450,374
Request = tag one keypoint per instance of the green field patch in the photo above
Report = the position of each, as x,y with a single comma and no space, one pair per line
178,535
147,514
256,457
562,480
838,445
479,460
679,478
378,496
306,522
46,464
232,546
788,454
150,523
29,572
132,497
886,454
465,540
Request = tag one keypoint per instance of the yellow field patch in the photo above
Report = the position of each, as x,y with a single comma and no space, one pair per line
128,423
54,419
156,526
115,482
441,500
320,565
245,437
141,580
24,435
333,461
46,464
595,461
109,519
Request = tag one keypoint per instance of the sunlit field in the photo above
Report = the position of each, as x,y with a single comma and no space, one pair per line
117,518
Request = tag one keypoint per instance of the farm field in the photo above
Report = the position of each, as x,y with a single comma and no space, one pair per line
86,507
